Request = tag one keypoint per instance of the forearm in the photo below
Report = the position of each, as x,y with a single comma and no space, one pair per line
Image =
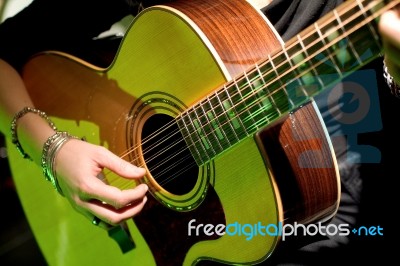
32,130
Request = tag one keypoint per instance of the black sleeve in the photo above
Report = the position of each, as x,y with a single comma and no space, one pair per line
291,17
67,26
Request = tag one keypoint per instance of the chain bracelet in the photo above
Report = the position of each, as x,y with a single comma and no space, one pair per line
393,86
14,124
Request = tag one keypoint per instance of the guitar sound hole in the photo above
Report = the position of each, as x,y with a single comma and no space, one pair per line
167,156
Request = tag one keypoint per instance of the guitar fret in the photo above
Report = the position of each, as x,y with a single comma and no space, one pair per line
302,64
270,76
371,28
209,128
257,84
364,40
296,88
204,130
183,123
349,39
328,63
230,109
217,115
282,85
275,71
249,108
350,43
226,124
184,130
295,59
264,95
239,102
331,56
202,141
284,66
260,74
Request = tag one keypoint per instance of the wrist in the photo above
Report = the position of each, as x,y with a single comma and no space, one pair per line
30,129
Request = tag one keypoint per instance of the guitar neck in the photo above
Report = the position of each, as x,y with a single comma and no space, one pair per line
323,54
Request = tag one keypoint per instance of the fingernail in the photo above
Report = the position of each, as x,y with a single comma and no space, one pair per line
145,187
141,169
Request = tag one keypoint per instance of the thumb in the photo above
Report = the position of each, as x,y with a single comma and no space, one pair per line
119,166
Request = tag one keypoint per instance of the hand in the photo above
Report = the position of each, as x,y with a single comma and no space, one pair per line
389,27
78,164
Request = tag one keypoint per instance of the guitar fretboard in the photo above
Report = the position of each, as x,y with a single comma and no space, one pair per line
310,62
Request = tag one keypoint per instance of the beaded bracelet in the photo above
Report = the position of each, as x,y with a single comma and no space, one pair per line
393,86
50,149
14,136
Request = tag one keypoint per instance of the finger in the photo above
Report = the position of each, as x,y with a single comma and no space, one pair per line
389,26
113,196
111,216
119,166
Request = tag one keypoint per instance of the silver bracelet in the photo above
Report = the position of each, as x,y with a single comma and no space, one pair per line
393,86
14,136
50,149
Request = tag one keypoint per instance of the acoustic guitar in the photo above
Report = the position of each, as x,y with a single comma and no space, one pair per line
206,97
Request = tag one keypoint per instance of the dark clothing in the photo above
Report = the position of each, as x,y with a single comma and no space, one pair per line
63,26
291,17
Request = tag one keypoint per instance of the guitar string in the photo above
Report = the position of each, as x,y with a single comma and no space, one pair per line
266,85
289,71
257,92
298,64
161,132
159,153
208,123
171,166
249,96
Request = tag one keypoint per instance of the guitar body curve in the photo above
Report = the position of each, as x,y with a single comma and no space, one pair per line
172,57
